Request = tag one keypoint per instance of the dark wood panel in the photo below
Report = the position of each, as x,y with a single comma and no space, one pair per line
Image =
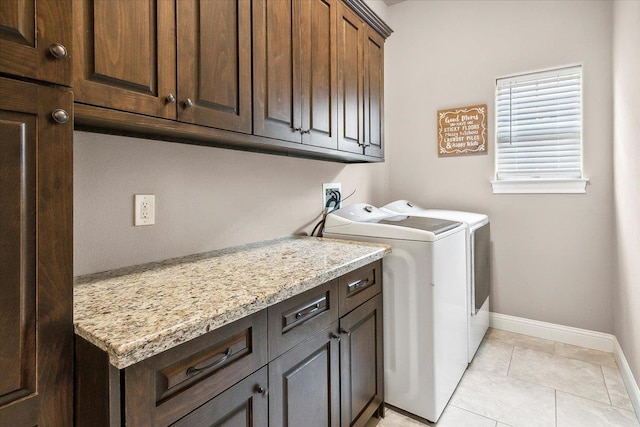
18,251
297,318
243,405
148,399
276,59
27,29
214,63
361,363
373,94
95,119
36,255
350,81
370,17
358,286
125,55
97,387
318,71
17,22
304,383
124,51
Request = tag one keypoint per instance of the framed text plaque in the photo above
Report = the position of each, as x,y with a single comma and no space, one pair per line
462,130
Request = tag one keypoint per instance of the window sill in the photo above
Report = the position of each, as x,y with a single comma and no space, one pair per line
540,186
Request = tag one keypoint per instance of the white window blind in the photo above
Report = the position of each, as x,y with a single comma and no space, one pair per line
539,126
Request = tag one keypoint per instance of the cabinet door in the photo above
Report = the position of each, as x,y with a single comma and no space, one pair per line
35,39
36,325
361,362
373,94
350,81
214,63
125,55
276,85
319,72
304,383
243,405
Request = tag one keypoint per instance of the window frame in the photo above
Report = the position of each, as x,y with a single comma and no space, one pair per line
542,185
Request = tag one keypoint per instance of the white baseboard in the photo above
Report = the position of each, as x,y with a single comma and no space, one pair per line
551,331
575,336
627,376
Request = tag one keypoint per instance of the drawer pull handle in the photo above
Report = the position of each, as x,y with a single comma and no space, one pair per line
358,284
315,307
193,370
263,391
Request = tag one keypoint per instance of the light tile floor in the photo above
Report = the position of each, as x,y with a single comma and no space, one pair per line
521,381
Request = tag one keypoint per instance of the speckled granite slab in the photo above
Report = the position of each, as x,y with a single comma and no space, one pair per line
137,312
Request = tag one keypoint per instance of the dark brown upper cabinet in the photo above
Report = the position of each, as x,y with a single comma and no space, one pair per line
35,39
125,55
360,86
214,63
296,77
373,94
36,264
295,71
127,59
351,31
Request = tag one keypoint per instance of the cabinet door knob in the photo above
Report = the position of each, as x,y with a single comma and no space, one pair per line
263,391
58,50
305,131
170,99
335,337
345,332
188,103
60,116
297,130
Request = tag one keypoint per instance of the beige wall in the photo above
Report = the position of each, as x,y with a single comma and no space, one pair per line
626,89
553,254
206,198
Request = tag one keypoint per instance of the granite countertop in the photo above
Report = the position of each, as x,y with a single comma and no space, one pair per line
137,312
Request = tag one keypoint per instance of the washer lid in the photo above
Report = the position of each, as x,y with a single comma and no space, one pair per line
472,219
433,225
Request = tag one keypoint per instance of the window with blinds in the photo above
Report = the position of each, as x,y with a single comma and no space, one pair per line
539,126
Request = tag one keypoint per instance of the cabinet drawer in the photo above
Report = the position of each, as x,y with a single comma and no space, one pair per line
294,320
359,286
244,404
164,388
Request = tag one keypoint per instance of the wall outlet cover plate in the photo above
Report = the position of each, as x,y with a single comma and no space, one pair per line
144,209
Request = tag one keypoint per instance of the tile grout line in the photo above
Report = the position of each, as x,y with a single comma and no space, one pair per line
513,349
474,413
606,386
555,406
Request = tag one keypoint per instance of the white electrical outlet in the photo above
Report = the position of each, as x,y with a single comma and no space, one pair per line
331,196
145,209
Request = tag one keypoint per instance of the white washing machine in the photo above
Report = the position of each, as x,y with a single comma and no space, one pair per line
424,287
478,263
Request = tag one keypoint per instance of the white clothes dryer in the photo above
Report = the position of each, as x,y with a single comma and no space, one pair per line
424,316
478,248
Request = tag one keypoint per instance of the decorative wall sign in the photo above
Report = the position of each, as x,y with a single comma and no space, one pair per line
462,130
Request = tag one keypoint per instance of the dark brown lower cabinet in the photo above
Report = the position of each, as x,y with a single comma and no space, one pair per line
319,371
243,405
36,263
304,383
361,363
